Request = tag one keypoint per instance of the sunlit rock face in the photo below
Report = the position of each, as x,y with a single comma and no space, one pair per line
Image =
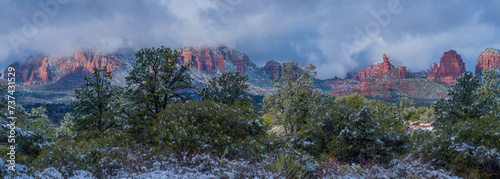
211,60
488,59
64,72
450,68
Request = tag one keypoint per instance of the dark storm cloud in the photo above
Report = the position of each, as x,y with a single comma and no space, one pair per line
314,32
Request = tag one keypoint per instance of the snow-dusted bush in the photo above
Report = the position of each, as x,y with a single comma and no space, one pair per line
49,173
207,127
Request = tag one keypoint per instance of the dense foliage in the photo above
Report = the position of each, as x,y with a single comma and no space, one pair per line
150,129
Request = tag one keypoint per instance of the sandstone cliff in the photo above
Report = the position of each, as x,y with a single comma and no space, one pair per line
450,68
488,59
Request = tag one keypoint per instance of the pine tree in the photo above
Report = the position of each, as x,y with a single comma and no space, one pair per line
156,80
463,102
95,109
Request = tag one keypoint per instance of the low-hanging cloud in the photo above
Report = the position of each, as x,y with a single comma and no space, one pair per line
306,31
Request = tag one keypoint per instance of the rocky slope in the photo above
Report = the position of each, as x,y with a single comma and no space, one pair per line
385,80
450,68
489,58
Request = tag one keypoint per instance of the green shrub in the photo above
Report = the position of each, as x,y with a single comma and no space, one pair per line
289,166
209,127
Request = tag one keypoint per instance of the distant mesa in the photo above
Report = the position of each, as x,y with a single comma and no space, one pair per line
488,59
450,68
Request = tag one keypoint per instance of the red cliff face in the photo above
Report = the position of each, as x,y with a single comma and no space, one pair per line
450,68
207,60
386,66
273,68
488,59
379,77
68,72
34,72
434,73
402,72
88,60
212,59
384,80
381,70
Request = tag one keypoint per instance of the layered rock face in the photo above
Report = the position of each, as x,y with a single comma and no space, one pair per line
488,59
384,80
380,70
273,68
35,72
64,72
67,73
210,60
450,68
88,60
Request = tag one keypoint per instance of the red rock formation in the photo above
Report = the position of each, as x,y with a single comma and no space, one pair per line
34,72
402,72
434,74
212,59
381,70
386,66
450,68
273,68
207,60
488,59
39,71
361,75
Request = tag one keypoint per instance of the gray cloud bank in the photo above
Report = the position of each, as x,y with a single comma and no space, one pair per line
336,36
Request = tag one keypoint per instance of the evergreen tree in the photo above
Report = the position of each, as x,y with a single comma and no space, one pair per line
462,103
295,98
66,128
156,80
361,140
228,88
96,105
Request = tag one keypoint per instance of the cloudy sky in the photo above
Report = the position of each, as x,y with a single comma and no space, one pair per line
336,36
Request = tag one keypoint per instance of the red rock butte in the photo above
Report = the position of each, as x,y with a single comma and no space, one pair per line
488,59
210,60
379,70
450,68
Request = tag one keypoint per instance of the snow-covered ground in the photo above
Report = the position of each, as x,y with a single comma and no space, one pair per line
205,166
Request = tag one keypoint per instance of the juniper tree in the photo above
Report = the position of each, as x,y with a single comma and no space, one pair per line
96,107
295,96
227,88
